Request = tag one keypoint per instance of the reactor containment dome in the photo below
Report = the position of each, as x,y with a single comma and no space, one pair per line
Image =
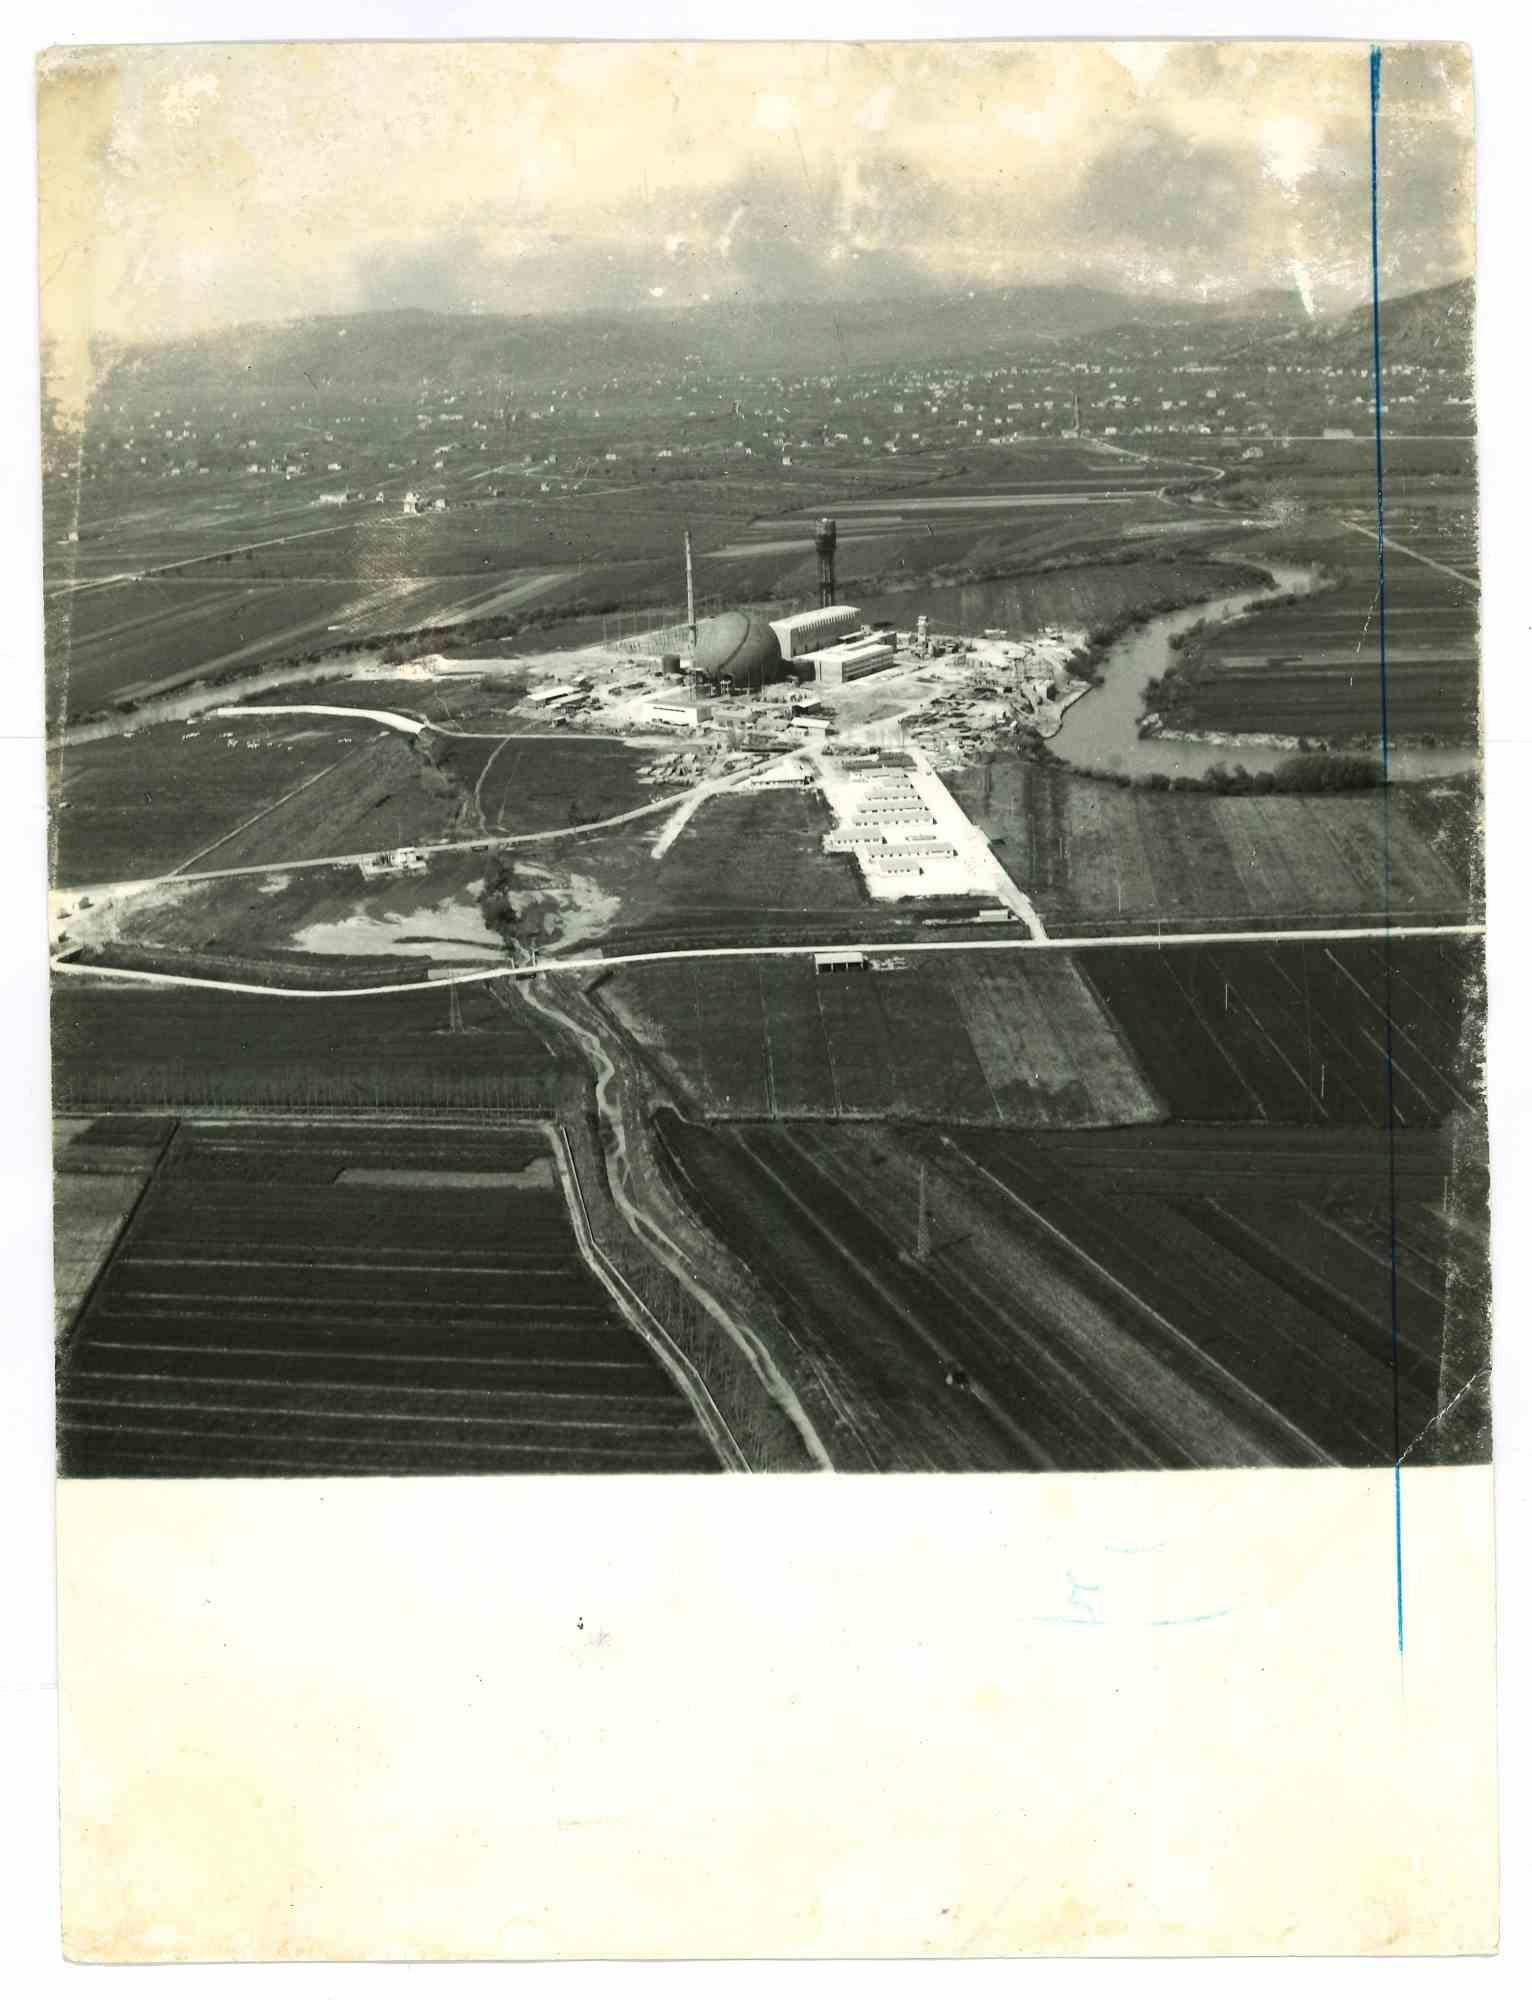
738,646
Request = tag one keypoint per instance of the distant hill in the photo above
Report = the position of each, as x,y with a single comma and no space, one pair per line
396,353
403,352
1262,307
917,328
1427,328
407,352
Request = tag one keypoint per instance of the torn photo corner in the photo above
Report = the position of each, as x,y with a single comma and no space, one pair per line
764,759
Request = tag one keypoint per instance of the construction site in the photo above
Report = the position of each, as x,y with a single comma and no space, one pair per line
758,679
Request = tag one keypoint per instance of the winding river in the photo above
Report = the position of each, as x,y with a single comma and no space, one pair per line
1100,730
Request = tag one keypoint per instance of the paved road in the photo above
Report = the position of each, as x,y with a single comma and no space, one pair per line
414,725
390,718
1366,437
1141,940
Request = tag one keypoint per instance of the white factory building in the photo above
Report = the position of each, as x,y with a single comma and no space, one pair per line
833,644
676,711
835,665
807,631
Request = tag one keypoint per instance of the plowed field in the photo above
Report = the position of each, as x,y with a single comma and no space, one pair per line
982,1300
292,1301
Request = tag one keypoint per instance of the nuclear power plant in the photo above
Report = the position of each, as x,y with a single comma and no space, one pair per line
716,660
742,651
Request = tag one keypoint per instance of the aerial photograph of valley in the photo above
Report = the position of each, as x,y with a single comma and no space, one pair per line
796,797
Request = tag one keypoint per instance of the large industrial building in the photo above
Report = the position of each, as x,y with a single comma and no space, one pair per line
807,631
744,651
832,645
836,665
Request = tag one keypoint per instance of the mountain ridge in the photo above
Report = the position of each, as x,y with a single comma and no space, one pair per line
399,349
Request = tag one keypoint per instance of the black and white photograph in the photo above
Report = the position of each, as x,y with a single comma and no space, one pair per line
764,758
820,813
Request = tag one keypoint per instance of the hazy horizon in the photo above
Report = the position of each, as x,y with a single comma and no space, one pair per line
189,189
660,311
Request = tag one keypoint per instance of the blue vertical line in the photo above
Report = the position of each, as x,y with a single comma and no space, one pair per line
1376,81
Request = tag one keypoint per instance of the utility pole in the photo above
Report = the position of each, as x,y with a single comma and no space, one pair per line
923,1221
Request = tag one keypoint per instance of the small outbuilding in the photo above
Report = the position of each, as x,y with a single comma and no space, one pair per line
840,961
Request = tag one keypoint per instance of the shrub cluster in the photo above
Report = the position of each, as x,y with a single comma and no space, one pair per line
1304,772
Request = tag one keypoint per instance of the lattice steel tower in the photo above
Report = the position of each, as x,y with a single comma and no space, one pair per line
824,547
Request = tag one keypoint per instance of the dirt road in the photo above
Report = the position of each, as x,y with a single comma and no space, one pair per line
638,1190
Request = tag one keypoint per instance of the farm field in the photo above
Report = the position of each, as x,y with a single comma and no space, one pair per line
1311,668
469,549
100,1168
1045,467
746,867
1093,1302
758,850
970,1038
935,538
1448,818
1441,529
384,794
518,534
302,584
308,1301
521,786
411,601
127,524
120,1047
1301,1034
273,530
122,640
146,803
1342,472
1096,856
1081,596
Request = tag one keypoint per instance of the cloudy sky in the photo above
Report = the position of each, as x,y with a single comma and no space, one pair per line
189,188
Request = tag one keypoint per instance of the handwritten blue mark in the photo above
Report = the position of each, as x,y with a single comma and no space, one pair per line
1086,1602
